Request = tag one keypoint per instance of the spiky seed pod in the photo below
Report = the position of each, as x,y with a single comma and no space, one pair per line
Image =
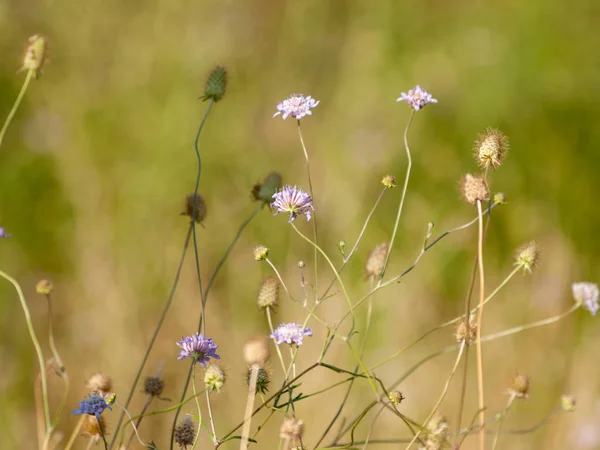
264,191
262,381
490,148
389,181
92,428
100,383
35,55
185,433
467,330
376,260
198,211
44,287
396,397
214,378
268,296
291,429
437,433
519,386
256,351
474,188
154,386
528,256
260,253
215,86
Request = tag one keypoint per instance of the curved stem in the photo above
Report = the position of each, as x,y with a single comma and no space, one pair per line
13,110
268,309
511,399
197,406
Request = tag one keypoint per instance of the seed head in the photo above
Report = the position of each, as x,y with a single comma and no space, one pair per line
260,253
100,383
214,378
215,86
154,386
500,198
474,188
586,294
490,148
528,256
262,380
291,429
44,287
268,296
437,433
35,55
389,181
376,260
93,428
264,191
256,351
396,397
567,403
467,330
185,433
519,386
196,209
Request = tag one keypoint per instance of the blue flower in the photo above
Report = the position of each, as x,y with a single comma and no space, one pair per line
93,405
4,234
197,347
293,201
290,333
417,98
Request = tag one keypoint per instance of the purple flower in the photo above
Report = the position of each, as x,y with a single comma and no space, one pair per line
197,347
4,234
93,405
293,201
417,98
291,333
587,295
296,106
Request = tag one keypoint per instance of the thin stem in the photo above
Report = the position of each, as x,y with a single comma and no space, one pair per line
281,280
36,344
511,399
140,417
74,434
131,421
197,406
404,188
372,426
268,310
479,327
11,114
210,417
249,403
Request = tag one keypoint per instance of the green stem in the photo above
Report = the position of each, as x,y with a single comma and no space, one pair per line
11,114
511,399
197,406
181,402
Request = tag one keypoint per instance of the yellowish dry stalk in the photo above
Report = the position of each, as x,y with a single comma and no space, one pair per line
249,405
479,327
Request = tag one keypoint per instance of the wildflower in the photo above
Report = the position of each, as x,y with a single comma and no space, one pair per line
396,397
214,378
262,380
528,256
389,181
35,55
264,191
437,432
93,405
260,253
417,98
586,293
291,333
185,433
100,383
196,208
197,347
296,106
214,89
268,296
44,287
376,260
4,234
291,429
154,386
567,403
467,330
293,201
474,189
500,198
490,148
519,386
256,351
93,428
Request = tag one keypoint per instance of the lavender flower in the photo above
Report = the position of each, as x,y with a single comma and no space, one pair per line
587,294
296,106
4,234
291,333
197,347
93,405
293,201
417,98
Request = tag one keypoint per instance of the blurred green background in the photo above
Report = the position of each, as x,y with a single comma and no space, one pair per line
99,158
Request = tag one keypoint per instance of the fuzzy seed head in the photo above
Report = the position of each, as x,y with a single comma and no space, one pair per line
44,287
376,260
291,429
214,378
490,148
262,380
467,330
519,386
260,253
256,351
437,432
528,257
185,433
100,383
215,86
567,403
389,181
396,397
473,189
500,198
264,191
35,55
93,428
154,386
268,296
197,208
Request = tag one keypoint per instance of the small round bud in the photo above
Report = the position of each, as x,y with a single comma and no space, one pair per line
376,260
100,383
185,433
474,189
528,256
110,399
500,198
567,403
268,296
44,287
35,55
260,253
264,191
262,380
197,208
438,431
519,386
301,265
215,86
154,386
214,378
430,227
467,330
342,244
396,397
291,429
490,148
389,181
256,351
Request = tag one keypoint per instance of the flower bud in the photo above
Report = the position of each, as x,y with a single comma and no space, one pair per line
214,378
268,296
35,55
389,181
474,189
376,260
264,191
396,397
528,256
260,253
490,148
215,86
44,287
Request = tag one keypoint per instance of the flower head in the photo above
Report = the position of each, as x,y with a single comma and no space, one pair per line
268,296
296,106
389,181
185,433
260,253
100,383
528,256
519,386
417,98
587,294
4,234
293,201
291,429
215,86
291,333
154,386
214,378
474,189
396,397
93,405
197,347
35,55
376,261
490,148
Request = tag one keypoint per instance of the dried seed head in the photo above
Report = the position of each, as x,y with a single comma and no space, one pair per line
268,296
586,294
256,351
500,198
396,397
389,181
467,330
264,191
567,403
519,386
44,287
216,84
262,380
185,433
154,386
260,253
100,383
196,209
490,148
437,433
93,428
474,188
35,55
291,429
528,256
214,378
376,260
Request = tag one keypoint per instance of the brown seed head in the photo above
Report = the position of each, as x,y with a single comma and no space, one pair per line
268,296
154,386
519,386
198,211
93,429
376,260
185,433
490,148
291,429
256,351
100,383
474,188
467,330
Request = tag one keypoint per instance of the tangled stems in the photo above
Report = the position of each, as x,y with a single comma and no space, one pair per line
511,399
11,114
479,326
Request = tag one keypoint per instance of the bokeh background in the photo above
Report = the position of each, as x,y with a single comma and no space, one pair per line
95,167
